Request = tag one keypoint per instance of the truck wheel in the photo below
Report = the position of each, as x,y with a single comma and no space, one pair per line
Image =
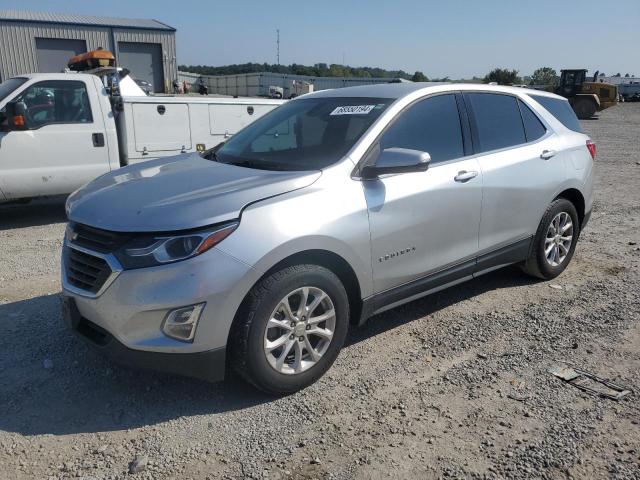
555,241
585,108
290,329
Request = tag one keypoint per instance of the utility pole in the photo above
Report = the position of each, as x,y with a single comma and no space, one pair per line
278,46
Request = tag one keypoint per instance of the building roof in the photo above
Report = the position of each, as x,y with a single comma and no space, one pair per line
86,20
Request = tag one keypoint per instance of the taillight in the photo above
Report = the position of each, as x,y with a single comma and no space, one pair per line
592,149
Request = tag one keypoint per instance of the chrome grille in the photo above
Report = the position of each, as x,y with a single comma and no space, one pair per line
96,239
85,271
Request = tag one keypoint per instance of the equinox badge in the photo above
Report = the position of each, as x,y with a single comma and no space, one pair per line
391,255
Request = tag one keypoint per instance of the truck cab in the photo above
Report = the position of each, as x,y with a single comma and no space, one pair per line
63,135
60,131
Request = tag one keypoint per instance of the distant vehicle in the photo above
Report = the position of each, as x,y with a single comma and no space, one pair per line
586,98
276,92
628,90
633,98
335,206
144,85
299,87
203,88
60,130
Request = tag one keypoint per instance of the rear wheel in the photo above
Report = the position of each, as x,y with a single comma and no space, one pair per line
555,240
290,329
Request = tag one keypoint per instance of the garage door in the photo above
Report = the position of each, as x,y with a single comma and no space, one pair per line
54,53
144,60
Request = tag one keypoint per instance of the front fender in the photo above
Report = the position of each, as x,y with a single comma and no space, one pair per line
314,218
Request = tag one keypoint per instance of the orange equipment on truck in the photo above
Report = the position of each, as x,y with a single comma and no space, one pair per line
90,60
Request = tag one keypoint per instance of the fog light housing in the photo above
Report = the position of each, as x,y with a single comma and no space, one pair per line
182,322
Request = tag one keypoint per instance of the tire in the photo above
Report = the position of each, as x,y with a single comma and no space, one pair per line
254,332
539,264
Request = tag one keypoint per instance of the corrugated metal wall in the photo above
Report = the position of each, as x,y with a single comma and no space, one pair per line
18,46
257,84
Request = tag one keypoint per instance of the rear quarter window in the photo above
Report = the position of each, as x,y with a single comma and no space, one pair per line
560,109
533,127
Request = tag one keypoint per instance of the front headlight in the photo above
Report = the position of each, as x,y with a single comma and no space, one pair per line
152,250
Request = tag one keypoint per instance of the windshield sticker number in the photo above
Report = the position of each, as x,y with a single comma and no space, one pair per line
353,110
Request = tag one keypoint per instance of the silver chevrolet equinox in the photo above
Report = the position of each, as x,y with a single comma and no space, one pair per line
258,255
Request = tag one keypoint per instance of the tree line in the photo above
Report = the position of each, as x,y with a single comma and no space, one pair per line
501,76
317,70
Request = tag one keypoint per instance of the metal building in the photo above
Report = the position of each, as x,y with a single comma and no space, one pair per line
257,84
43,42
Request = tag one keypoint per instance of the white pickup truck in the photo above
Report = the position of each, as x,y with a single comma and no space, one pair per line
59,131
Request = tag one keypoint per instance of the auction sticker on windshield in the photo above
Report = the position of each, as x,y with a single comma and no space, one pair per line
353,110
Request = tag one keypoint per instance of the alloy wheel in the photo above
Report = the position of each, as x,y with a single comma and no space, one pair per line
557,242
299,330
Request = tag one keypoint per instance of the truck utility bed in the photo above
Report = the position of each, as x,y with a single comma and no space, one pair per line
152,127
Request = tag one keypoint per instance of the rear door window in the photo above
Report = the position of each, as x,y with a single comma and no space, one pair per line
498,123
533,127
431,125
560,108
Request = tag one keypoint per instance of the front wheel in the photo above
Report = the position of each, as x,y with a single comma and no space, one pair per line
555,240
290,329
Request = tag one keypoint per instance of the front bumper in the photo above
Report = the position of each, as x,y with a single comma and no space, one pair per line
125,320
207,365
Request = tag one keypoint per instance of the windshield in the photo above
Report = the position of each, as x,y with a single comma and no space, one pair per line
9,86
304,134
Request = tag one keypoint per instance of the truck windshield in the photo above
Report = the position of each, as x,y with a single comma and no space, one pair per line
9,86
303,134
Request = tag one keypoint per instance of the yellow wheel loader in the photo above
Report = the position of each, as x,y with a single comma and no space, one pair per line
586,98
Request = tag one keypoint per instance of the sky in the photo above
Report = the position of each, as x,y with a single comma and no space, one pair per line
454,38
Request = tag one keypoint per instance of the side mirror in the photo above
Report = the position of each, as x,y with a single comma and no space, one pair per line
17,116
397,160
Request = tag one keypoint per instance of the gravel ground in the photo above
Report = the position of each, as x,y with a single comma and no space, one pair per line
454,385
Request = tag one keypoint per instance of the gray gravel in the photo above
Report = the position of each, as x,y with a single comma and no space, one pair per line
454,385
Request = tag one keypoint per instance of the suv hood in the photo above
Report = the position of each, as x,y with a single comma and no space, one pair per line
176,193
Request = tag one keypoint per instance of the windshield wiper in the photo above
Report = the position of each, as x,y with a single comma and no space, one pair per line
210,155
258,164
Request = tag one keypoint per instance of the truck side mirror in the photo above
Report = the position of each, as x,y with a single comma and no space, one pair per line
17,116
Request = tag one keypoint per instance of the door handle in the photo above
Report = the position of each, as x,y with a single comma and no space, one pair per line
98,139
547,154
464,176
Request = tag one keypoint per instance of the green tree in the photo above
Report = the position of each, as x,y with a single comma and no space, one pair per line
336,70
318,70
503,76
544,76
419,77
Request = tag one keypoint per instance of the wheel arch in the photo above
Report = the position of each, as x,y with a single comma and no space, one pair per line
334,263
324,258
574,196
